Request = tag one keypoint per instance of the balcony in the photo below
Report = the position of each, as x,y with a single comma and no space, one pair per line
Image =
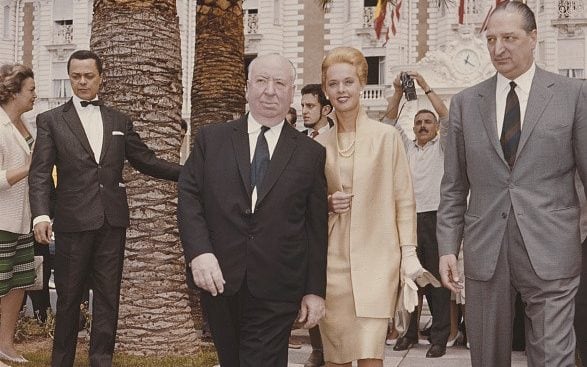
62,34
251,21
570,9
368,16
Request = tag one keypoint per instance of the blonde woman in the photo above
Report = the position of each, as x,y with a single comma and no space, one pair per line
372,222
17,96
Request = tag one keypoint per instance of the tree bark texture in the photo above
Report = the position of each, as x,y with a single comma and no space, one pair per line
139,43
218,88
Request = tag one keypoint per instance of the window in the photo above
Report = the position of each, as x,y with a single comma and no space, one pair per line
376,72
6,27
61,88
572,73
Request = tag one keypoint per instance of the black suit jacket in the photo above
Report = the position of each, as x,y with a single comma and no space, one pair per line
281,247
87,192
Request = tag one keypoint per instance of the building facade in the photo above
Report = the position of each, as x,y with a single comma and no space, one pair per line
429,39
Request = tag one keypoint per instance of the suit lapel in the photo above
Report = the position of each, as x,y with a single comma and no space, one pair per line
487,110
108,126
284,149
538,99
240,143
72,120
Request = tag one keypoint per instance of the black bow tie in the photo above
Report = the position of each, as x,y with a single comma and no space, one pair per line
95,102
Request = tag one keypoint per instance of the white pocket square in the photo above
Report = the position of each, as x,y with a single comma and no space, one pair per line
115,132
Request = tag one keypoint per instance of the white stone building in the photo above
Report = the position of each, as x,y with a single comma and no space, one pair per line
42,33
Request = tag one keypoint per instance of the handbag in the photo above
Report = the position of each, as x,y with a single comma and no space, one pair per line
38,284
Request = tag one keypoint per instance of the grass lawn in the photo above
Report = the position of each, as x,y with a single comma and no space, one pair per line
38,353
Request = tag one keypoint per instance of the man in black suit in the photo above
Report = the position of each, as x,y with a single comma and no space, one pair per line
252,215
88,142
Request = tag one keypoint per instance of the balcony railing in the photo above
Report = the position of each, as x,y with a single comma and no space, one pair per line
368,16
63,34
251,21
570,9
373,92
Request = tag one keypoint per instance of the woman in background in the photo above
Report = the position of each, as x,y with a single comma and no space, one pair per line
17,96
372,225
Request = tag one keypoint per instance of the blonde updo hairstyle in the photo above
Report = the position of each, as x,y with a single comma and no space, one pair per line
347,55
12,77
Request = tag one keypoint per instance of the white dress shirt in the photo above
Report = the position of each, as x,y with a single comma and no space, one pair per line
91,119
523,85
271,135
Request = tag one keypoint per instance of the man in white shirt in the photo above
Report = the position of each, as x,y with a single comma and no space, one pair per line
514,144
426,159
88,143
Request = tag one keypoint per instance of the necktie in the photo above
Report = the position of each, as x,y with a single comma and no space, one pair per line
511,131
95,102
260,159
314,134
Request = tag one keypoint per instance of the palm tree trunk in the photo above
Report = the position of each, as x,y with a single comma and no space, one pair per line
139,43
218,88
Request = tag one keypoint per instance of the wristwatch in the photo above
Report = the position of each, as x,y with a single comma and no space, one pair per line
429,91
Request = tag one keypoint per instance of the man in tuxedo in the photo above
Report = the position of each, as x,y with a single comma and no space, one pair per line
252,214
514,144
315,110
88,143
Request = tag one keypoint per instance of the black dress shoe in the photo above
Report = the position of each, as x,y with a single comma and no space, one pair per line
316,359
436,351
404,343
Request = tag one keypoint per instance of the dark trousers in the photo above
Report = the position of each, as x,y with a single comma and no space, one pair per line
549,309
248,331
81,257
581,310
438,298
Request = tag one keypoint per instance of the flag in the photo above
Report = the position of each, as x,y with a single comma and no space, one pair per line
380,12
484,25
395,16
462,11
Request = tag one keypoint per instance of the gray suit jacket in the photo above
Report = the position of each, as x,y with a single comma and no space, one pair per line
539,188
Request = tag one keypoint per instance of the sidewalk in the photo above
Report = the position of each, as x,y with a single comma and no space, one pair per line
457,356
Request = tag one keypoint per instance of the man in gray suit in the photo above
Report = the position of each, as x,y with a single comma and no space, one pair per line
514,148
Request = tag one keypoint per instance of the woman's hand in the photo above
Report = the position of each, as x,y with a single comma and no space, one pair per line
339,202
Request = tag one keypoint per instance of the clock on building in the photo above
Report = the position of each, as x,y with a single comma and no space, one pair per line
467,61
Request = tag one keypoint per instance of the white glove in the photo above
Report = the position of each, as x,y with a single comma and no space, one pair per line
410,266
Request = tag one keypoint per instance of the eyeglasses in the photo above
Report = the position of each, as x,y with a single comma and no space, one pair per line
262,82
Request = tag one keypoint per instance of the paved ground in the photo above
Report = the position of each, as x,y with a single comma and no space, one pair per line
457,356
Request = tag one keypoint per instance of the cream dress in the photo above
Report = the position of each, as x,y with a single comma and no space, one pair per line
345,336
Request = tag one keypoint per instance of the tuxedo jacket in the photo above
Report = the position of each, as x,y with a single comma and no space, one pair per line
539,188
88,192
280,248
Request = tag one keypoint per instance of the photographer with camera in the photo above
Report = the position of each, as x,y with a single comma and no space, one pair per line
426,159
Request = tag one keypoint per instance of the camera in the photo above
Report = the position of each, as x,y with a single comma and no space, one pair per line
408,86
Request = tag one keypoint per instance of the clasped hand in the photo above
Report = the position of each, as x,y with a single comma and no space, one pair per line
311,311
207,274
339,202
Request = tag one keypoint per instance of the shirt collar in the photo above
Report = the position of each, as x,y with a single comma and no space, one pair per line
523,82
253,126
78,105
430,142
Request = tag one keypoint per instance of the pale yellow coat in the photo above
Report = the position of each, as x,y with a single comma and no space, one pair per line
383,213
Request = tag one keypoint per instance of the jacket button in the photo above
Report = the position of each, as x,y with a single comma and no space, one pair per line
248,211
101,186
251,237
504,215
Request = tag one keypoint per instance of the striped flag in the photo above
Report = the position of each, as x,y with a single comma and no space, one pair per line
462,11
395,16
380,12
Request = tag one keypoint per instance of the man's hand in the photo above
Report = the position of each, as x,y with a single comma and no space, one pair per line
311,310
339,202
449,273
207,274
43,231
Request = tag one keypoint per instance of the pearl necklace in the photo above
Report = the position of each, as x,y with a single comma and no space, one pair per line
348,151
